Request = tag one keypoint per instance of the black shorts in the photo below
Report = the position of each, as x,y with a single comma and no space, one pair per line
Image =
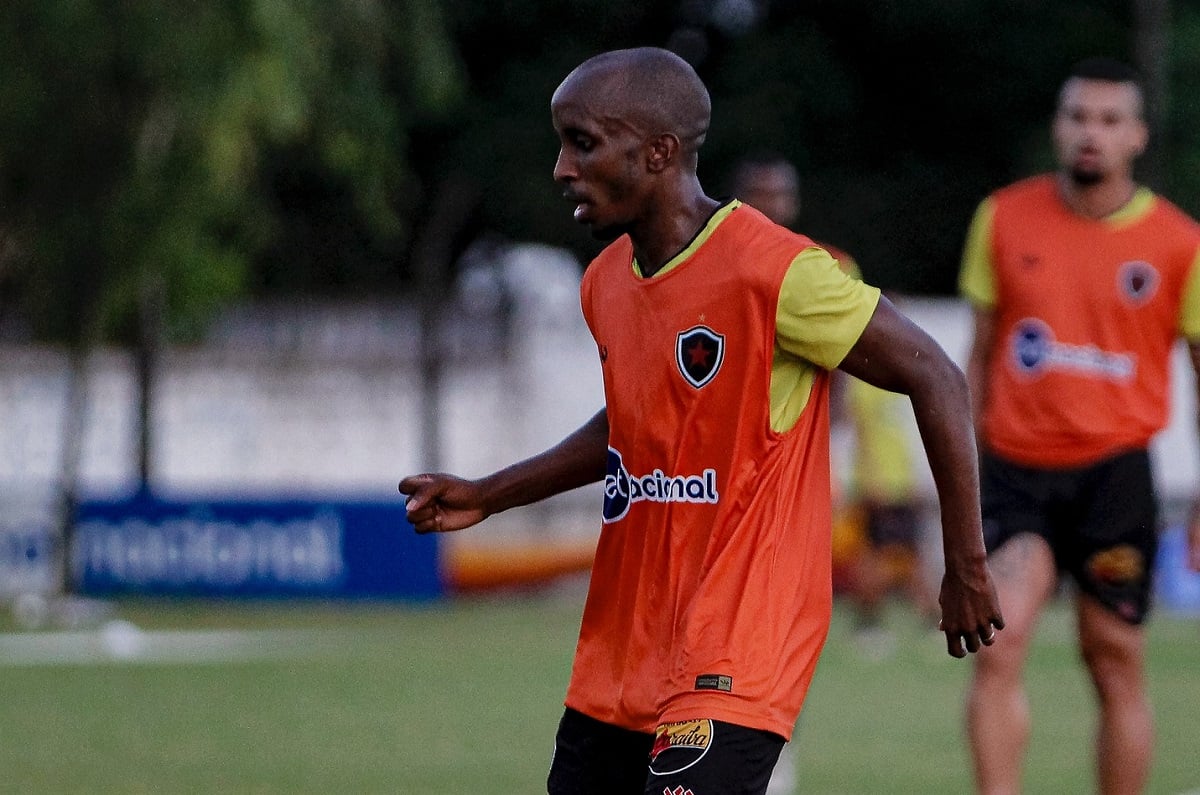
705,757
1101,521
893,525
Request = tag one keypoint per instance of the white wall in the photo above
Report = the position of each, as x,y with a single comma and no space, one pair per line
261,424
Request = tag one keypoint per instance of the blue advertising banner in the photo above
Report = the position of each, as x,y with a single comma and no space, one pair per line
313,548
1177,587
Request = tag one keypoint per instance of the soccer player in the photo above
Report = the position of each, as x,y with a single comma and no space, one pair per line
1081,282
883,489
710,594
769,183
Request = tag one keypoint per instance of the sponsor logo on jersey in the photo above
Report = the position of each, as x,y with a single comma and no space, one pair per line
1137,281
622,489
699,352
1035,352
678,746
680,790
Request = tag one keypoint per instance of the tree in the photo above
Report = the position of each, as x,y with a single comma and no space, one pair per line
133,137
901,116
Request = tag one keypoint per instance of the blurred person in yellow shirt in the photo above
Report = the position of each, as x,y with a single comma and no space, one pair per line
877,535
770,183
885,500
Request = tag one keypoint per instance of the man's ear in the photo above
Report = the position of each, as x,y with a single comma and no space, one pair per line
1141,140
661,152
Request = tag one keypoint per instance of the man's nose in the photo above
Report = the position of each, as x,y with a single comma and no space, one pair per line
564,168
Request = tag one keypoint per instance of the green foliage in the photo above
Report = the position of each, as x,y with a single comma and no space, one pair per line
134,135
514,55
902,116
1180,143
285,147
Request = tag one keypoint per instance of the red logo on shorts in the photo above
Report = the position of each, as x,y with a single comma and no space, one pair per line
678,791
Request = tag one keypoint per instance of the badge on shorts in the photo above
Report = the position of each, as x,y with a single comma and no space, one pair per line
678,746
1117,565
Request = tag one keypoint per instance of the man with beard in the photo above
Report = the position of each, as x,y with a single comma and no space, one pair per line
716,330
1081,282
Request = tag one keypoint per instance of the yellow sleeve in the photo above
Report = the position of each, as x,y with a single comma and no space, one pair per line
822,311
977,279
882,462
1189,309
848,264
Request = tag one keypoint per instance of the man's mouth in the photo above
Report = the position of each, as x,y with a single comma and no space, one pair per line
581,204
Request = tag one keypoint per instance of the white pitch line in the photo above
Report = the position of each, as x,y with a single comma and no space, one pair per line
120,642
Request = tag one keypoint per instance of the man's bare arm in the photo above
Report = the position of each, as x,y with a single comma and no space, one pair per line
438,502
893,353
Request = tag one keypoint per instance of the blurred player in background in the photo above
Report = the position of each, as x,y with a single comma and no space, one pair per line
883,492
716,329
1081,282
877,545
866,564
769,183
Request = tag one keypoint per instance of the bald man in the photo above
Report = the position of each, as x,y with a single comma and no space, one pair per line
716,331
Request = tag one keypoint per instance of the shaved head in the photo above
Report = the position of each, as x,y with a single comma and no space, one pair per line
630,124
652,90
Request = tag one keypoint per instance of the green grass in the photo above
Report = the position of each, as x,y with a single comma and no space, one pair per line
895,725
464,698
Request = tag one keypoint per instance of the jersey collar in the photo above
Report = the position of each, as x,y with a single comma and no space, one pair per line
703,235
1134,210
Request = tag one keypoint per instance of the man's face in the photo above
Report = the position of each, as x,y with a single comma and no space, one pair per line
1098,129
600,160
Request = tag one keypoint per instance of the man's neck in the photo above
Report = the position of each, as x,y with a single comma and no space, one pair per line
1100,200
660,238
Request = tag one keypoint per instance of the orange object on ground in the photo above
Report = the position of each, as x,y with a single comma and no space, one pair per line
472,569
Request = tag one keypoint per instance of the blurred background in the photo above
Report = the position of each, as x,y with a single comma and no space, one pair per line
260,259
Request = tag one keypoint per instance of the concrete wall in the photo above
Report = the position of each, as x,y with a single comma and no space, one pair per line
241,421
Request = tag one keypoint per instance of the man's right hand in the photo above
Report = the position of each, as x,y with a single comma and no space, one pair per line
439,503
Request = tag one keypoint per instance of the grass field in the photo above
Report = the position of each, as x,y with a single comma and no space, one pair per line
464,698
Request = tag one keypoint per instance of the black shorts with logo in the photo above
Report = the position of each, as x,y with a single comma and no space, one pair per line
701,757
1100,520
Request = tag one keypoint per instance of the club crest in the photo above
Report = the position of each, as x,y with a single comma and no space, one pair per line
1137,281
699,352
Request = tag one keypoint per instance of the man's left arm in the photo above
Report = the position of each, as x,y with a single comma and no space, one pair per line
895,354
